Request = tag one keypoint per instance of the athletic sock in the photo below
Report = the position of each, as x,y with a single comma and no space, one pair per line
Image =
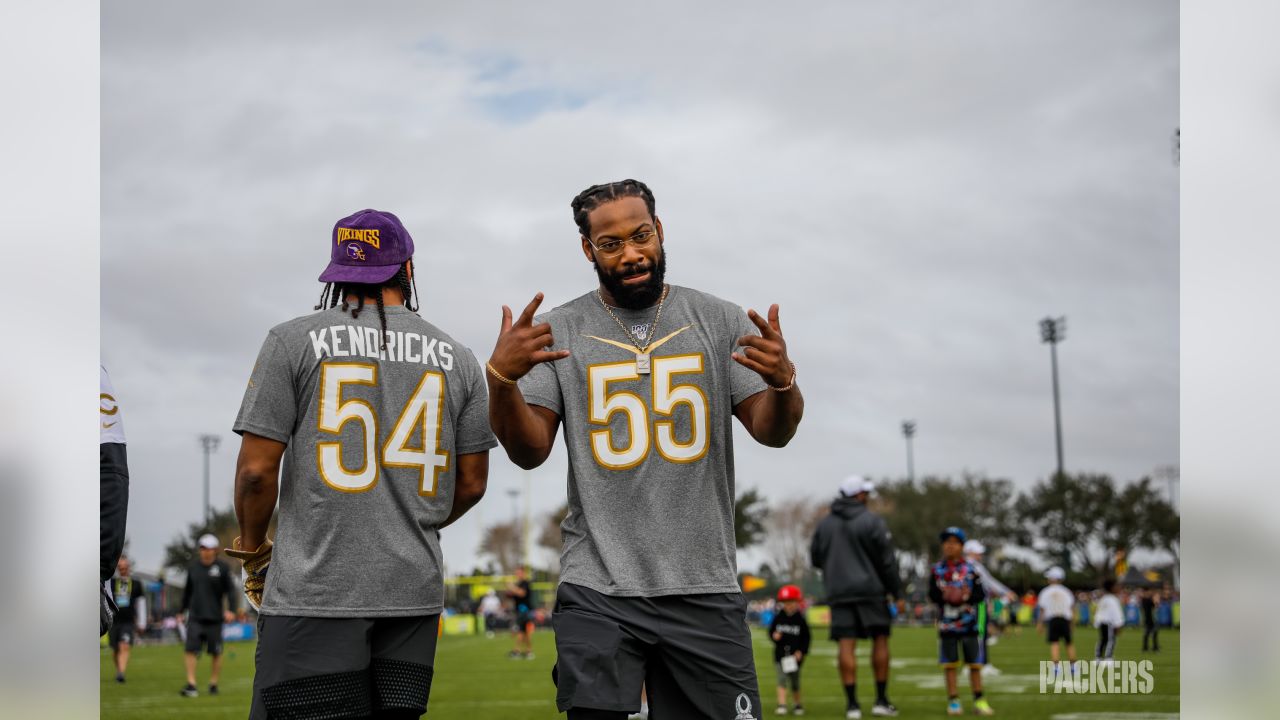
851,695
881,687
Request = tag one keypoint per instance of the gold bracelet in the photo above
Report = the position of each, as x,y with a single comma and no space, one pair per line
500,376
790,384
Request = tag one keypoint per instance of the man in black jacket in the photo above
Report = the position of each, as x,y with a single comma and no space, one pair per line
854,550
208,583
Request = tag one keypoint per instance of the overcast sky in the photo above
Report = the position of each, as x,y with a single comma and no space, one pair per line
915,183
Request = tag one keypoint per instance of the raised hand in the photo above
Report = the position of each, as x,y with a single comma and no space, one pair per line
521,344
766,353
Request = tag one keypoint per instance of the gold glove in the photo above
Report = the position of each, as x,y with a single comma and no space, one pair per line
255,569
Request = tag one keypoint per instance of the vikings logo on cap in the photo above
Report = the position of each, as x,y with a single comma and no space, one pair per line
369,247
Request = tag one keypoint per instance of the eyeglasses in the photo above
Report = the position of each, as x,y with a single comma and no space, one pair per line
612,247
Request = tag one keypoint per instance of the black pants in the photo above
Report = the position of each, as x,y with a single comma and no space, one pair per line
1152,633
1106,642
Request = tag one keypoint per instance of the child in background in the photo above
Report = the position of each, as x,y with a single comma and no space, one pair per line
1109,619
790,633
958,591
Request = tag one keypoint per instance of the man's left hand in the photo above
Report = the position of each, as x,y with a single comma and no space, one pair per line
766,353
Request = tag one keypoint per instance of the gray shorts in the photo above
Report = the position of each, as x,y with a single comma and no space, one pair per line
691,652
785,679
335,668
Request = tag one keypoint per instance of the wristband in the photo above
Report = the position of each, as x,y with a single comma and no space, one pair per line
502,378
789,385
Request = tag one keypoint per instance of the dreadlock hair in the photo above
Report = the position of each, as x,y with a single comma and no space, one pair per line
597,195
336,292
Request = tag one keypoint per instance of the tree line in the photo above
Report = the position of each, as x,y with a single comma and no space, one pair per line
1078,521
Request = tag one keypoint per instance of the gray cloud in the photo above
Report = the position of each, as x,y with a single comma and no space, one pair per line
916,184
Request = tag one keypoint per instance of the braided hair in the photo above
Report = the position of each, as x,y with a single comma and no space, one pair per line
597,195
336,292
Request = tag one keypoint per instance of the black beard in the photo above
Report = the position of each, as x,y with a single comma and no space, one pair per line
636,297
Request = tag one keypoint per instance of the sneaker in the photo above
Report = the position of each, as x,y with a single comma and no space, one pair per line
782,710
990,671
798,710
853,713
955,708
190,691
528,656
514,655
213,689
992,640
884,709
982,707
120,677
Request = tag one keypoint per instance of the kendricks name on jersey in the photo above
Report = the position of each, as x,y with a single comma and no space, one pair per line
358,341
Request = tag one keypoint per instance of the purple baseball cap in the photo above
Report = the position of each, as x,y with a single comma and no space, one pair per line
368,247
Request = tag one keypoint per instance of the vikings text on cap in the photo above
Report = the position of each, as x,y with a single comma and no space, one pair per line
368,236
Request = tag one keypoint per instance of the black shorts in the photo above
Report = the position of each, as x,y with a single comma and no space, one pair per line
692,653
120,632
308,667
950,647
523,618
203,634
866,619
1058,629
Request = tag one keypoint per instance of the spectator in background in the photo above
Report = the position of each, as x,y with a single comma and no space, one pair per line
989,630
1055,604
1150,632
132,602
854,550
490,607
208,583
961,599
521,594
1109,619
790,634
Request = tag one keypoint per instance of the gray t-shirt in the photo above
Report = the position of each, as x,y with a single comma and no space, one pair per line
650,455
368,474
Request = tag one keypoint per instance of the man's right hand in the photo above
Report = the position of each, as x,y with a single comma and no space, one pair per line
521,344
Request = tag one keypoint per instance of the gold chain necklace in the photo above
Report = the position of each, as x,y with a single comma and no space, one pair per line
642,354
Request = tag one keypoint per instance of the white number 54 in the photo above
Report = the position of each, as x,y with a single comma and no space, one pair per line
424,405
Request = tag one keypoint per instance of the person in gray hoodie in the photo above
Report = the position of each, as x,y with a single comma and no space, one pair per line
854,550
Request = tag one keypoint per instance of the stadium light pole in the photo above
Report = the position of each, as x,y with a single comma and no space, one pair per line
1054,331
209,443
909,431
514,494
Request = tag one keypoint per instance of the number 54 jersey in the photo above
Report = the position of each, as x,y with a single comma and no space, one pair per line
650,484
372,434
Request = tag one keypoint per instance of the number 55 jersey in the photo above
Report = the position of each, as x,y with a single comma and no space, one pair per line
650,439
373,432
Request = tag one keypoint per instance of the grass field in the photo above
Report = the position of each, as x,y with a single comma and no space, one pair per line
475,681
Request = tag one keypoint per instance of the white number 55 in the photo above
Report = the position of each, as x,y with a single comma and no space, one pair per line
666,399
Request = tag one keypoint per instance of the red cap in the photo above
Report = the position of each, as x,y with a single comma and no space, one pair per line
789,592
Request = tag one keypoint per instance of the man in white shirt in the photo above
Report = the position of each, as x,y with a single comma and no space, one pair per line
1108,618
1056,604
974,552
